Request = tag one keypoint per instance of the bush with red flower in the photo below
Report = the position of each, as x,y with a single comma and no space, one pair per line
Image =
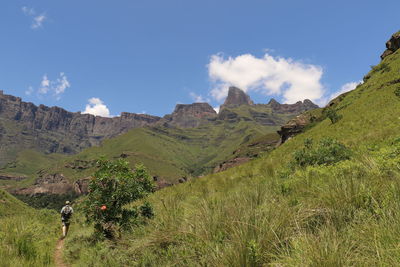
113,186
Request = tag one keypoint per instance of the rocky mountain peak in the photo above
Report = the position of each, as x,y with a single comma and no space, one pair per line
195,109
236,97
272,101
190,115
297,107
392,45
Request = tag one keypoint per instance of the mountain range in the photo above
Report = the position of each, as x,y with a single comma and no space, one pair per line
50,150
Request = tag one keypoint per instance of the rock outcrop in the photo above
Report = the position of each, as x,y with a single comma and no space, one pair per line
55,184
294,127
6,177
236,97
297,107
50,184
231,163
191,115
392,45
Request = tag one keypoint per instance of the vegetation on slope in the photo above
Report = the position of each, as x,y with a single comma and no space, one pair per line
27,236
169,153
28,164
172,153
268,212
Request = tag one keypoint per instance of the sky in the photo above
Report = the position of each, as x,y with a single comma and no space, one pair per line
145,56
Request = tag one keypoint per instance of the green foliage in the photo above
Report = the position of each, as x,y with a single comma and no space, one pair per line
146,210
397,91
333,116
47,201
113,186
383,67
328,151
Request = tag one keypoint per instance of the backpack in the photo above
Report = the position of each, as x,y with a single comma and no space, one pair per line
67,212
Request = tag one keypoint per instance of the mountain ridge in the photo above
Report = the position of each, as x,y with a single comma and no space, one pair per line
23,125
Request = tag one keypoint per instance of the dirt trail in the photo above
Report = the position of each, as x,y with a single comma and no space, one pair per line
58,254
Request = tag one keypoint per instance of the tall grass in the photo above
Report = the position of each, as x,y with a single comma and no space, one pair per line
341,215
27,236
266,214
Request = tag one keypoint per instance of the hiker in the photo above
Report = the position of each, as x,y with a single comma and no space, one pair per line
66,213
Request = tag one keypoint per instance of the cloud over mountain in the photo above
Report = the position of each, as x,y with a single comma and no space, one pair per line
285,77
97,107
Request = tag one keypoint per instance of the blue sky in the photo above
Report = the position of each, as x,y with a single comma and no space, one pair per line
147,56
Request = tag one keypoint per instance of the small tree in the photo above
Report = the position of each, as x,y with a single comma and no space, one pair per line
112,187
333,116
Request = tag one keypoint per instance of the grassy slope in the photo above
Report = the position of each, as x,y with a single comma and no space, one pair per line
261,213
27,164
27,236
172,153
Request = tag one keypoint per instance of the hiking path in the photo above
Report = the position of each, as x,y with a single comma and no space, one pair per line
58,259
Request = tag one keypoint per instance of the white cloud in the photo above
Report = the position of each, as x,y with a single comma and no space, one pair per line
269,75
28,11
345,88
198,98
37,20
61,84
44,85
29,91
216,109
96,107
56,87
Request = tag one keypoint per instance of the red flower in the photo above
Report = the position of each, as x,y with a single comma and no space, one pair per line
104,207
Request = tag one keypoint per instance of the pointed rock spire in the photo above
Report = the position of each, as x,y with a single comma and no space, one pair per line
236,97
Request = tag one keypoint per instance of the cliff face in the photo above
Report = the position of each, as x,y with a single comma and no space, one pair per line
24,125
297,107
236,97
192,115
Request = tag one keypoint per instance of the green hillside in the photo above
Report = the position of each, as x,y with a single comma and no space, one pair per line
168,152
171,153
28,164
277,211
28,236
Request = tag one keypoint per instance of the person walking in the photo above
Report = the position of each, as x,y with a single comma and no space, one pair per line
66,213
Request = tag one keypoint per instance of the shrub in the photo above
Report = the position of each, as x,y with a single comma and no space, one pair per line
333,116
328,151
112,187
397,91
383,67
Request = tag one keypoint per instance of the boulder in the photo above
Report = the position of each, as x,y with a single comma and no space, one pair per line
392,45
293,127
